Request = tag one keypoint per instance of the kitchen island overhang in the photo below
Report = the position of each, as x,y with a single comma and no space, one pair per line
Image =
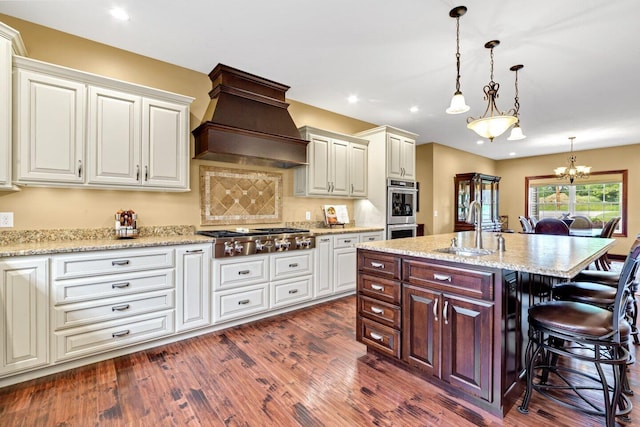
459,321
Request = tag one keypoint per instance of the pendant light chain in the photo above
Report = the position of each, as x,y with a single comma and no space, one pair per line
458,54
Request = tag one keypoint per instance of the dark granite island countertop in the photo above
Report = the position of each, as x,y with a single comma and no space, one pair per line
557,256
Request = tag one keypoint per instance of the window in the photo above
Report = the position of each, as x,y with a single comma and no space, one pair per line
600,197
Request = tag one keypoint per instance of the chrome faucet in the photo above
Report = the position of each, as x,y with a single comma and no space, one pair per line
475,216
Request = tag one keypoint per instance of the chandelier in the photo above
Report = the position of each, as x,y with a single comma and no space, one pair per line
572,171
493,122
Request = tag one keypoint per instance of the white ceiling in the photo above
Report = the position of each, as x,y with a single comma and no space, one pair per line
581,58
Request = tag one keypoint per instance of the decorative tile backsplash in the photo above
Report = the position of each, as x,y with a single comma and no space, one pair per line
236,196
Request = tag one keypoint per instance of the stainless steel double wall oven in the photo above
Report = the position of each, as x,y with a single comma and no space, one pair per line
402,202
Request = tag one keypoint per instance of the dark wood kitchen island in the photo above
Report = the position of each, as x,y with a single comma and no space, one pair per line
458,319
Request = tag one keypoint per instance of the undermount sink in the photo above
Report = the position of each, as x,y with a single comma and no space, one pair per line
465,251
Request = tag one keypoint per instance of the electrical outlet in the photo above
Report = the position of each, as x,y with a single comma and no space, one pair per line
308,216
6,219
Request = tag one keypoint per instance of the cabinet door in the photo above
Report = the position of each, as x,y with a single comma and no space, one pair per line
394,158
165,144
421,320
408,153
5,112
344,269
319,166
339,159
24,321
50,128
467,346
193,286
324,267
358,162
114,137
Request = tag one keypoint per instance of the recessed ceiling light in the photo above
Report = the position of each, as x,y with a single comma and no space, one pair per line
414,109
512,153
480,141
119,13
352,99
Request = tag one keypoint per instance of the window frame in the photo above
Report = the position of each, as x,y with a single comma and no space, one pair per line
624,175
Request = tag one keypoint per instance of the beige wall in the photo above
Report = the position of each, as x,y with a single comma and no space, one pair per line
437,165
43,208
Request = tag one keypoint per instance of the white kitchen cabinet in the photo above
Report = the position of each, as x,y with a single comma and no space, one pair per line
49,128
136,141
10,44
111,299
24,324
193,286
136,137
335,165
392,150
401,157
336,261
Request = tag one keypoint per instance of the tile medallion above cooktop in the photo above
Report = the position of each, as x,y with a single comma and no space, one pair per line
236,196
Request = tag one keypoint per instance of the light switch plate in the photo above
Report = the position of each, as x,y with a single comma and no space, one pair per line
308,216
6,219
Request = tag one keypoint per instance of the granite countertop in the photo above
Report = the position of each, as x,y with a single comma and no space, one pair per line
340,230
557,256
99,244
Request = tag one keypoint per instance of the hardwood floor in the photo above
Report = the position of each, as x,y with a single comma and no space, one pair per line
300,369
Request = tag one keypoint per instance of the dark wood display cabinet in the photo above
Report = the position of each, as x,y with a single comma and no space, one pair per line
483,188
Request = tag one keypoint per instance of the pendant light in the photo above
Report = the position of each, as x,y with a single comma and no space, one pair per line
516,130
572,171
493,122
458,104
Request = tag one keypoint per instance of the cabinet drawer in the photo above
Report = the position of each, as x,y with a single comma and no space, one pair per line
290,265
110,262
72,315
379,311
345,240
472,283
290,291
379,264
76,290
242,272
380,337
379,288
240,303
371,237
89,340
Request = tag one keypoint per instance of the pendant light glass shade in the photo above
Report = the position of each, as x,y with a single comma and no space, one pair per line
493,126
458,104
572,171
516,133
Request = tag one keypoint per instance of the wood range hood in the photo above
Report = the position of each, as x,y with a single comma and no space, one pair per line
247,122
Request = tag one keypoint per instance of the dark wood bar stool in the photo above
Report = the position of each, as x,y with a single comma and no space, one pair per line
562,332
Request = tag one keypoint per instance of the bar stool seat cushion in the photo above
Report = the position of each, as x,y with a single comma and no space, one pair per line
587,292
575,318
605,277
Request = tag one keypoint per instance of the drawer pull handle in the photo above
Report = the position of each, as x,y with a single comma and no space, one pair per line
195,251
347,241
120,333
377,287
371,239
376,336
244,272
293,291
121,307
443,277
244,302
377,310
377,264
120,262
435,310
445,311
325,240
293,265
120,285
